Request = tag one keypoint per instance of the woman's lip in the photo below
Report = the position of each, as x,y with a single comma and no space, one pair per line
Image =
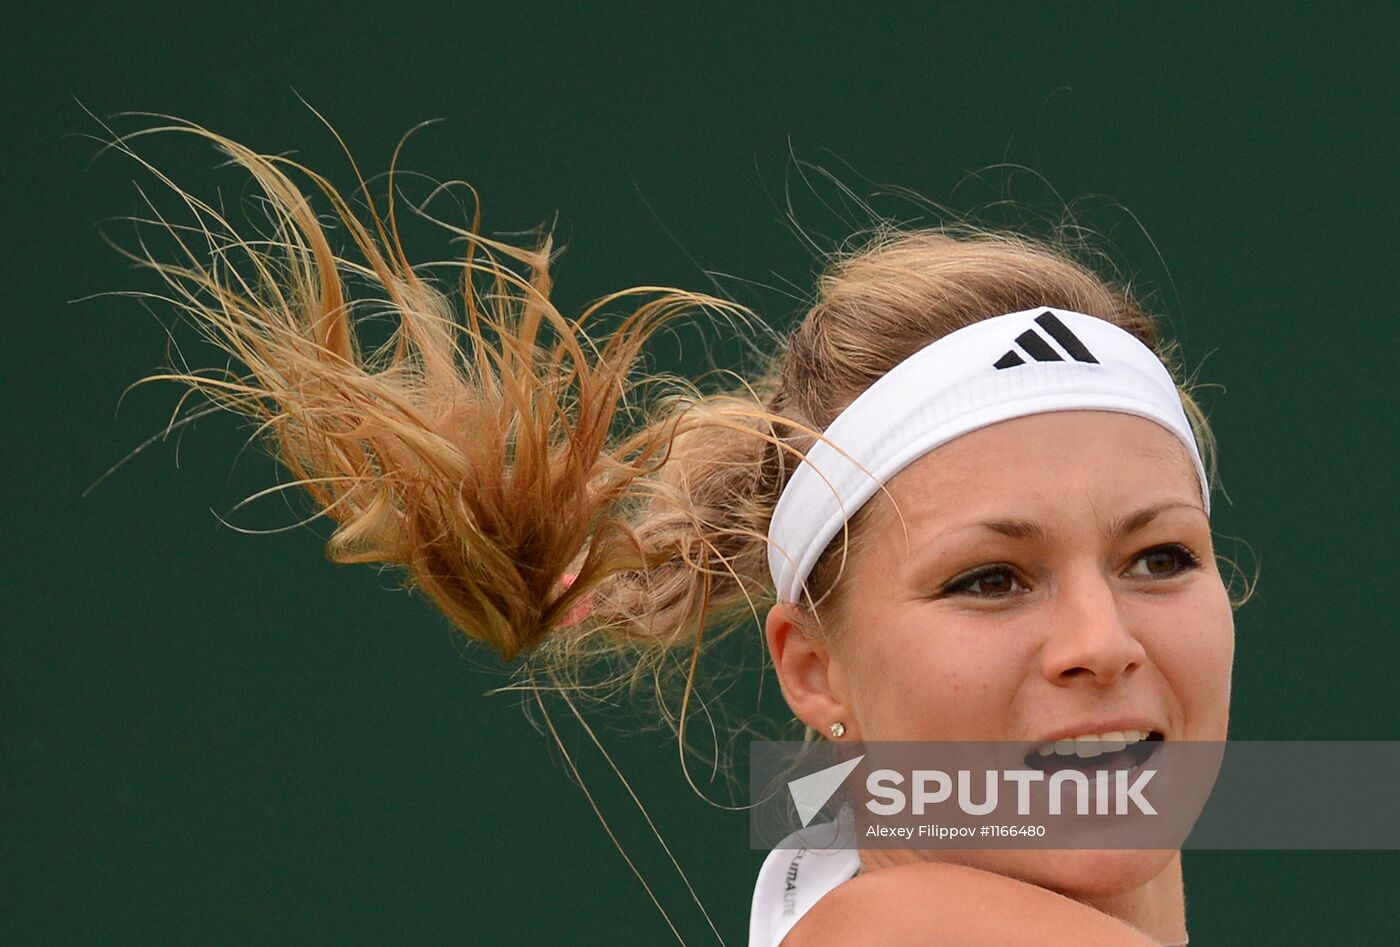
1101,727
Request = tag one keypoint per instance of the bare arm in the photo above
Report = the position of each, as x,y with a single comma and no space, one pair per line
914,904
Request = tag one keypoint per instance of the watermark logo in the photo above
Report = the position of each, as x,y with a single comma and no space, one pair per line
1109,792
810,793
953,793
1152,794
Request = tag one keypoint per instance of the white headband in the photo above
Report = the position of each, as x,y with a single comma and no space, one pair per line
1024,363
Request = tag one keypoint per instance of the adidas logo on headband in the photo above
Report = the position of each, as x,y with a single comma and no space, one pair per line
1037,348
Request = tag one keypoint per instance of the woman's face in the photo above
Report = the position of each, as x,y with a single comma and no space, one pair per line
1053,576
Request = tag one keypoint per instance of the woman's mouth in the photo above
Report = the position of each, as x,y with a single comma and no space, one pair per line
1088,752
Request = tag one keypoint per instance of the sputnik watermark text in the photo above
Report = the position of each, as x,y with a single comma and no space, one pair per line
1110,792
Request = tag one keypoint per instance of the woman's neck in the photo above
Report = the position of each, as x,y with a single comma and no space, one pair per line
1157,908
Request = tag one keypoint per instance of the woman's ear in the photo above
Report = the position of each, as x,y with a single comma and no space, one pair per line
812,678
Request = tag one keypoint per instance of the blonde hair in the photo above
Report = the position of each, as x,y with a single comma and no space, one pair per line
494,445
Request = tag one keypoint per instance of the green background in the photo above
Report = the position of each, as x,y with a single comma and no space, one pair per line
216,738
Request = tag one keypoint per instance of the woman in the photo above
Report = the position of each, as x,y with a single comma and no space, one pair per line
1003,533
1047,578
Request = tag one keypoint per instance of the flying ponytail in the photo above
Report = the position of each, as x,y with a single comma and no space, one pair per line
490,446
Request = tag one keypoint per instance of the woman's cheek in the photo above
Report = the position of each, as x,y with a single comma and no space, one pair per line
904,679
1193,646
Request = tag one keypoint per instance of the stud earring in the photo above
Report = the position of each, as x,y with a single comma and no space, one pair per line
838,729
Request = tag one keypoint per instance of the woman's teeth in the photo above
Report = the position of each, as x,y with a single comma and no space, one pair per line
1093,744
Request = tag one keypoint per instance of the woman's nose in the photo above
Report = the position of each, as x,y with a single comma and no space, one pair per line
1088,639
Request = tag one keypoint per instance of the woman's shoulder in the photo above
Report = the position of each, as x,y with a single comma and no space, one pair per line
907,903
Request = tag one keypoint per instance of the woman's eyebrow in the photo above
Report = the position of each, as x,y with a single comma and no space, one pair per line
1016,529
1123,526
1127,525
1031,530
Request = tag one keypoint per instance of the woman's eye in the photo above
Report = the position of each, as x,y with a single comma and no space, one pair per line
1163,562
989,582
